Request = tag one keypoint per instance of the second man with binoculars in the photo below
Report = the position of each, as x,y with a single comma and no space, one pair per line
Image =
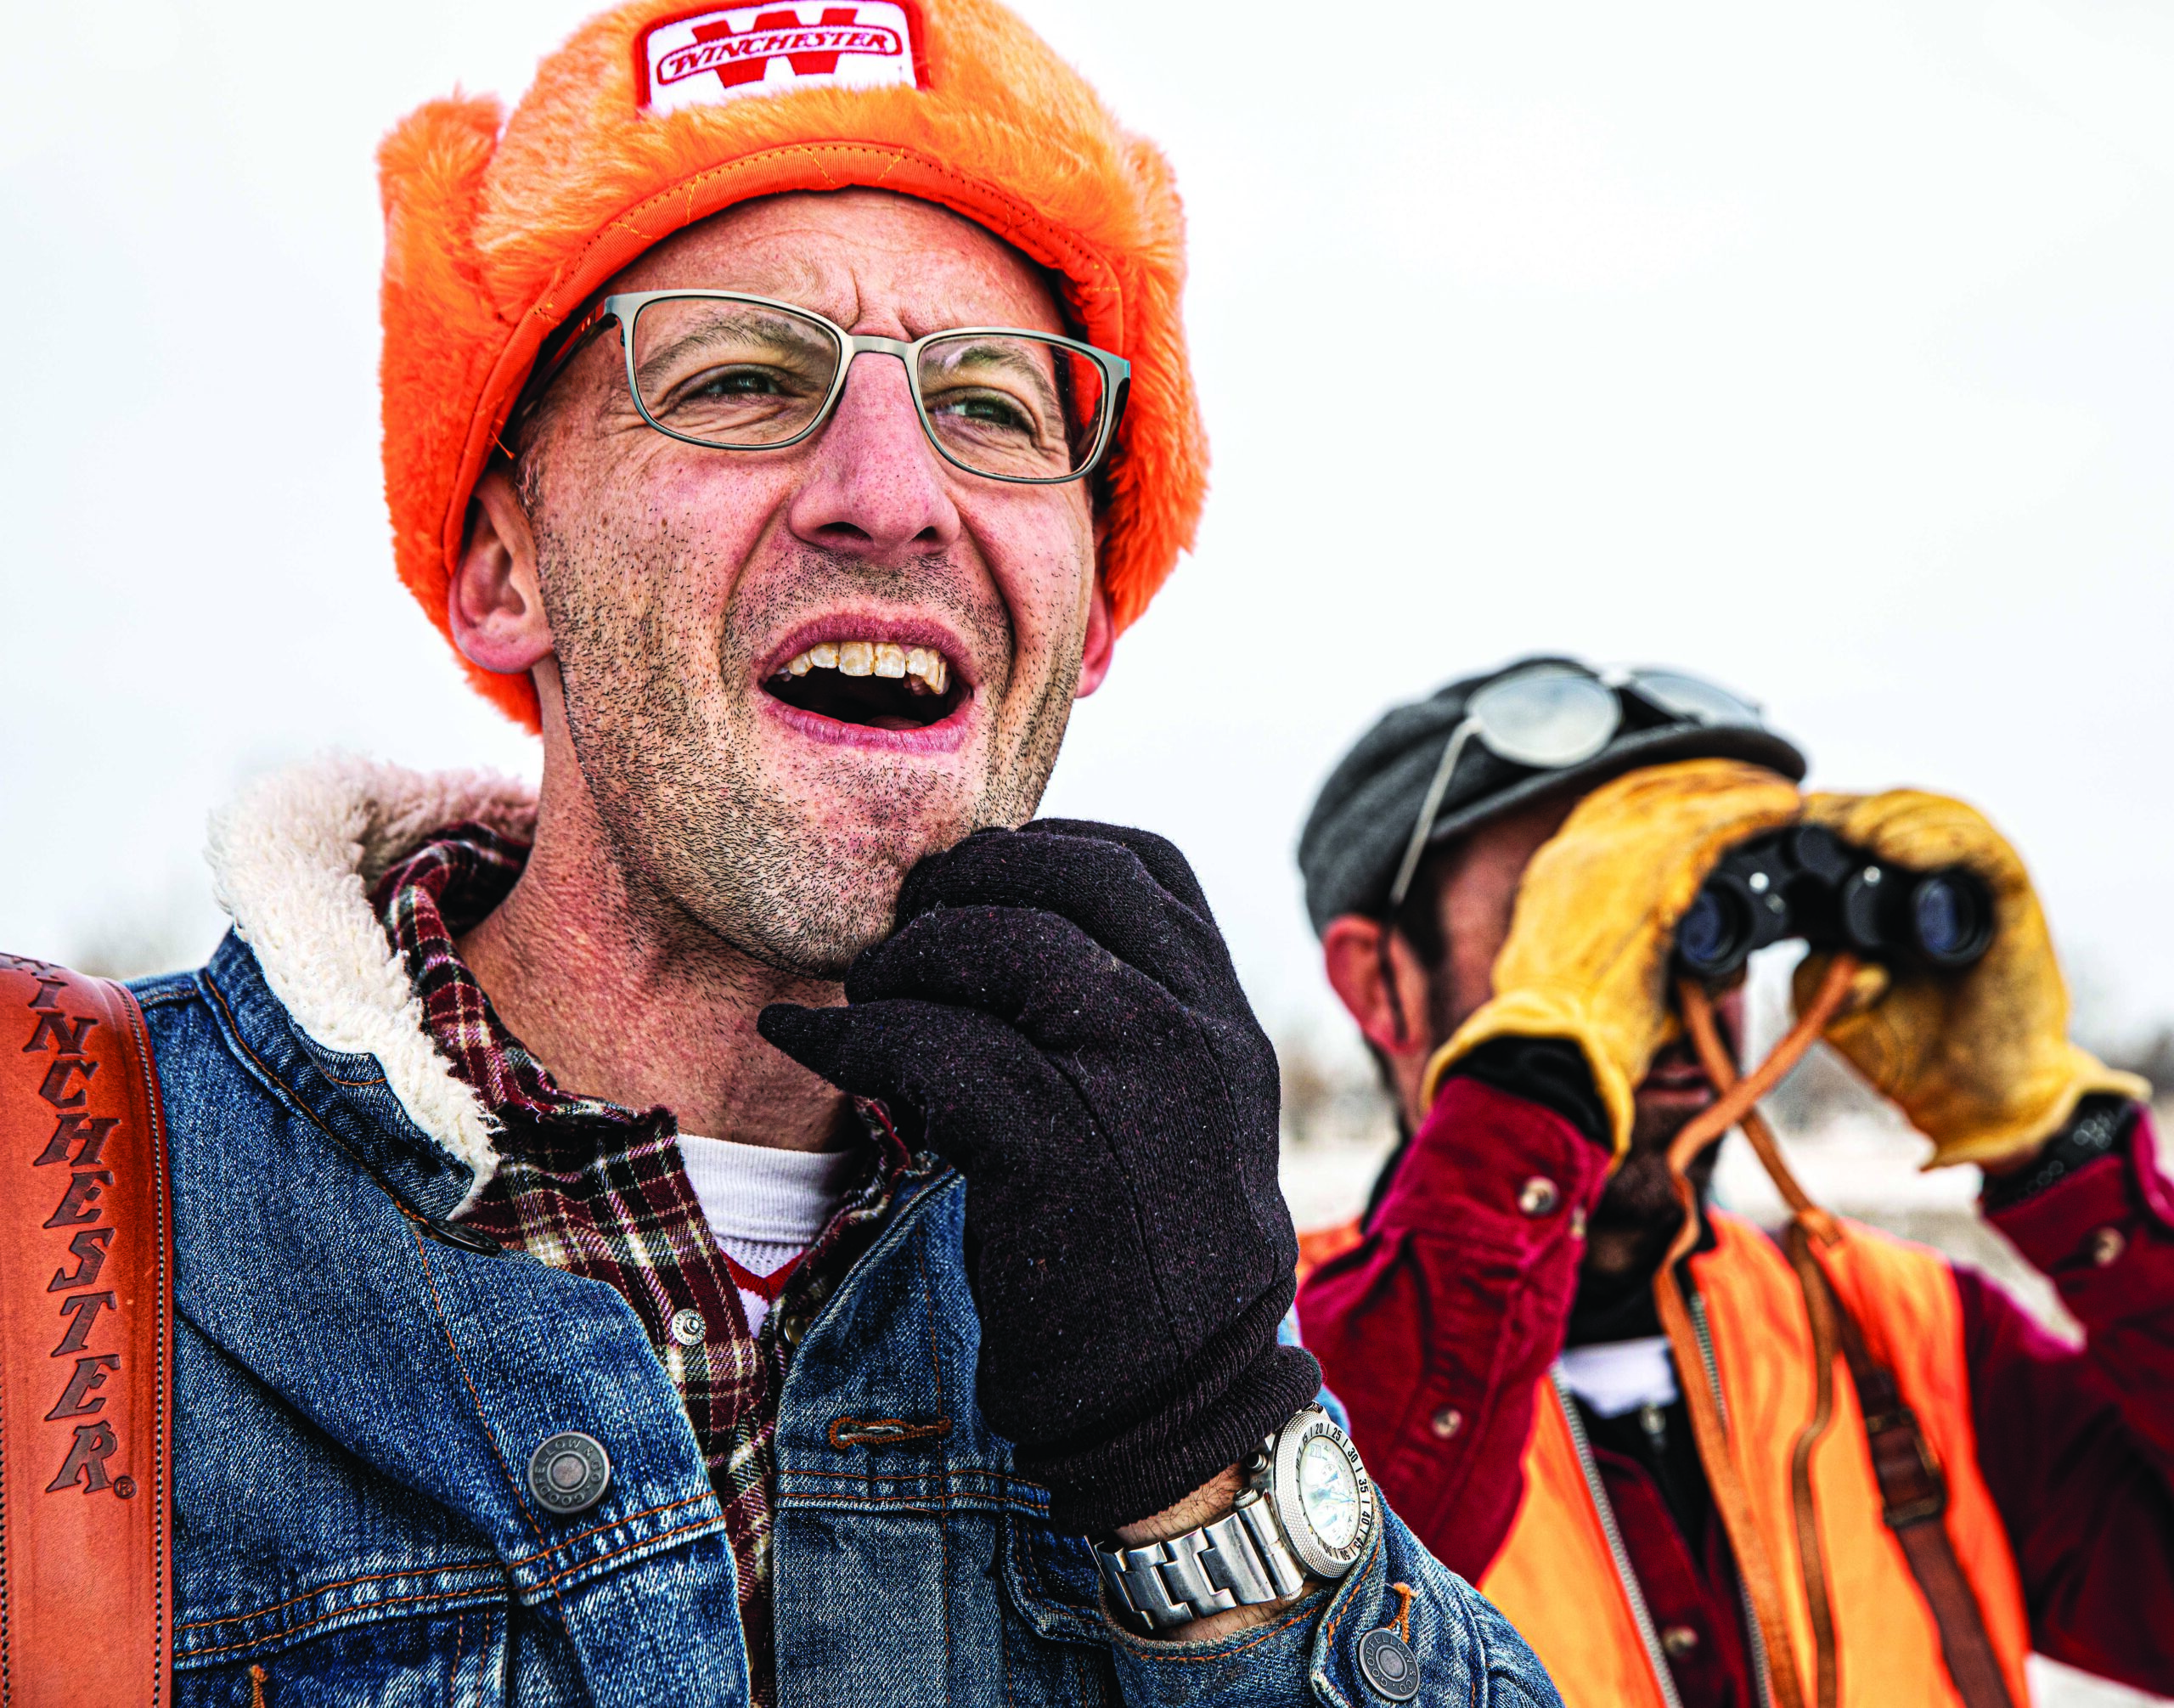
1832,1469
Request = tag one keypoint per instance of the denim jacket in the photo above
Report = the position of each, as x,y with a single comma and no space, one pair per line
359,1393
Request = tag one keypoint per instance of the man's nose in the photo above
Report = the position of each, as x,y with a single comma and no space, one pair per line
876,487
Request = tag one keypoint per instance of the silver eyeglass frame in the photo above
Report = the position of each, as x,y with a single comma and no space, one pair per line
621,307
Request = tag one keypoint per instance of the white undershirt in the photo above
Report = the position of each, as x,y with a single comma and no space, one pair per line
765,1206
1619,1376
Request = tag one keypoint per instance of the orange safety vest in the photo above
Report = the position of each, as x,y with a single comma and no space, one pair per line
1556,1577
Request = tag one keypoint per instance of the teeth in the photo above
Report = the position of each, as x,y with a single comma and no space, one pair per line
923,669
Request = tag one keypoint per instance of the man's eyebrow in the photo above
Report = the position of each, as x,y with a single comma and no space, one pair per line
717,328
1008,355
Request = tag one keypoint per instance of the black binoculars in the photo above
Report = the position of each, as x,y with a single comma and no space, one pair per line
1807,883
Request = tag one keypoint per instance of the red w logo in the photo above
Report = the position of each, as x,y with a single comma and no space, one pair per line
811,49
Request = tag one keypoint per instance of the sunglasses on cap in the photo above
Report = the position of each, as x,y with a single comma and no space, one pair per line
1550,717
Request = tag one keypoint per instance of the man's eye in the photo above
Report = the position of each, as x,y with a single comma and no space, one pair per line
987,409
739,382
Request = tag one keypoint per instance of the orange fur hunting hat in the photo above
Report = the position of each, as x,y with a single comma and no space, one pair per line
656,115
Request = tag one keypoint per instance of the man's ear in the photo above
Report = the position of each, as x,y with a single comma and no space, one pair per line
1101,642
1352,953
494,600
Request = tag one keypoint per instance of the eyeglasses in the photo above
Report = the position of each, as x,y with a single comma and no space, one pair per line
737,373
1552,717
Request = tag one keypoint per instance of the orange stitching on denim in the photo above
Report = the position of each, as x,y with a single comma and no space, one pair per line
883,1432
295,1100
327,1589
258,1674
997,1477
359,1084
409,1600
599,1530
624,1547
445,1326
928,1503
1404,1594
1149,1647
308,1624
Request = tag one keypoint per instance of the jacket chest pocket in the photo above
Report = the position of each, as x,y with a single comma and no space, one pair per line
458,1658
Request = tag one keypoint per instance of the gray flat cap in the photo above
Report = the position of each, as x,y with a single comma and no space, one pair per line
1361,820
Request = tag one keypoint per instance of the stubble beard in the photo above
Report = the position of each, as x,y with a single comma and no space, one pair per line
708,843
1639,1213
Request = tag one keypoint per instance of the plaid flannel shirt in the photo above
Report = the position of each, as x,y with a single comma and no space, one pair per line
599,1190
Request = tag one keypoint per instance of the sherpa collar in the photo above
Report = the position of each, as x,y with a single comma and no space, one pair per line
293,861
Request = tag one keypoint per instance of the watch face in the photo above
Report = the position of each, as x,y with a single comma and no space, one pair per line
1324,1501
1328,1490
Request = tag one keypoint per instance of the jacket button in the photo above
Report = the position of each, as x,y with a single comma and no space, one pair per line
1538,1196
1446,1423
569,1473
687,1328
2107,1246
1678,1640
1387,1665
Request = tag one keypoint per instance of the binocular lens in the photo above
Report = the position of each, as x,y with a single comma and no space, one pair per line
1948,919
1707,936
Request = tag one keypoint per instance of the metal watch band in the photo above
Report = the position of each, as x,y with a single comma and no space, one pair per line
1239,1560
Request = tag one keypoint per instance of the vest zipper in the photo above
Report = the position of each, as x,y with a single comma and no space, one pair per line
1639,1616
1762,1678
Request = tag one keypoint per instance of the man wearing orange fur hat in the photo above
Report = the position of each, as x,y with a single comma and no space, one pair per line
759,1220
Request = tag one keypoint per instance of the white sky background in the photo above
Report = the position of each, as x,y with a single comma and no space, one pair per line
1830,353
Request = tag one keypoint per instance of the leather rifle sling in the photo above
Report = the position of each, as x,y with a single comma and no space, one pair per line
86,1348
1913,1494
1913,1488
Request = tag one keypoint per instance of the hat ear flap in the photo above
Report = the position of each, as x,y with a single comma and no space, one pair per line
1159,476
440,323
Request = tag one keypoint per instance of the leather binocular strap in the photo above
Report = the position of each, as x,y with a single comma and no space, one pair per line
85,1347
1754,1563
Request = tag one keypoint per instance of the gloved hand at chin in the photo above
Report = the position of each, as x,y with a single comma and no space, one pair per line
1979,1060
1056,1015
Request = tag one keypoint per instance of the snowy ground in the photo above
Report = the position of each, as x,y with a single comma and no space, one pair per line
1864,1164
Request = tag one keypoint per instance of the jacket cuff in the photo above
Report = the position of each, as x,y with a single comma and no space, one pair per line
2102,1226
1484,1148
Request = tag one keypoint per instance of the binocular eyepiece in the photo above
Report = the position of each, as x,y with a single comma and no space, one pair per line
1806,882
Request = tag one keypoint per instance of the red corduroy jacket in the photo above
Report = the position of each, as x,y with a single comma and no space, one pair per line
1463,1284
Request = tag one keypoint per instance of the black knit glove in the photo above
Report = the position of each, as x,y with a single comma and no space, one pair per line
1057,1016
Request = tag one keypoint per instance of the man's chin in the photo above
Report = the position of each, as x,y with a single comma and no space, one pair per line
833,892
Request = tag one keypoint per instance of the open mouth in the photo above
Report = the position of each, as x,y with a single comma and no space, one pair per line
875,684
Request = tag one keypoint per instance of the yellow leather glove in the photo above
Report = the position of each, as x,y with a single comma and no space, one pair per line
1980,1061
1587,955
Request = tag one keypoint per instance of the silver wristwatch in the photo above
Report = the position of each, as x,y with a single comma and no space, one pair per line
1308,1508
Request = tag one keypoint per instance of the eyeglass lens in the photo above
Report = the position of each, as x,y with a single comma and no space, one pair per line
744,375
